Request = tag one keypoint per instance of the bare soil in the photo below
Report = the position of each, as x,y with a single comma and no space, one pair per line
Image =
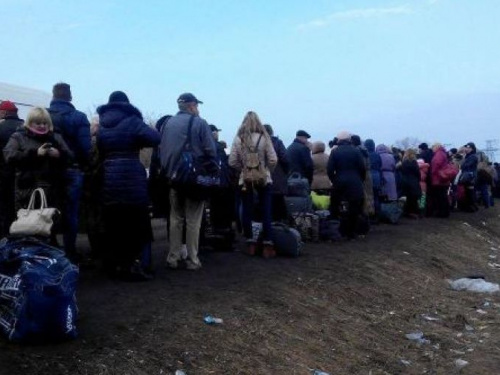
343,308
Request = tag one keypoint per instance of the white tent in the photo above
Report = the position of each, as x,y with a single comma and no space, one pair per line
24,97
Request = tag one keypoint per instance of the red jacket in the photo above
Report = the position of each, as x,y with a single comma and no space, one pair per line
439,161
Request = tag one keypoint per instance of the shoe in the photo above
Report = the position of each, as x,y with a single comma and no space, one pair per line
251,248
268,250
172,265
191,266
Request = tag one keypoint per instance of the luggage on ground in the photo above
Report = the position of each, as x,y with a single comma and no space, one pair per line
390,212
298,186
37,292
287,241
329,229
308,226
298,205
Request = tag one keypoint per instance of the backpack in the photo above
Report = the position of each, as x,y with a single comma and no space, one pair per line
254,172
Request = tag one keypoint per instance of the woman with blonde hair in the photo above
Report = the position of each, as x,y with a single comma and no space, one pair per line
410,183
253,155
40,158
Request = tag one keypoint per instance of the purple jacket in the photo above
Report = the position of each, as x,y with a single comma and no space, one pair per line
388,169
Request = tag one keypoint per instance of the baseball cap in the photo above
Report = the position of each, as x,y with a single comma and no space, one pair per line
188,98
214,128
8,106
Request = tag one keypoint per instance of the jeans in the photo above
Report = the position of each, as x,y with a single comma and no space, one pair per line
247,197
485,194
74,185
182,208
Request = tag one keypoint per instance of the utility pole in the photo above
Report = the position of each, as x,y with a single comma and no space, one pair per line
491,148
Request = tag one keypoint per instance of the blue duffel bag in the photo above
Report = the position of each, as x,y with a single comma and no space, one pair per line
37,292
298,186
286,240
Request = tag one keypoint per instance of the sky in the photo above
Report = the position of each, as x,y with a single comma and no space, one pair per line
383,69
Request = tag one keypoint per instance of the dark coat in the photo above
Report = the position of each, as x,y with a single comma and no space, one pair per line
7,127
75,131
34,171
470,163
122,133
299,157
346,170
410,178
426,155
280,172
375,164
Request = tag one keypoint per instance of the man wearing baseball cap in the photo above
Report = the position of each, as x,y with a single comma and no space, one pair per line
9,123
299,156
184,206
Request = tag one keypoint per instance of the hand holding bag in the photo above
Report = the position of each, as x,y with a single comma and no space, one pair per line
33,221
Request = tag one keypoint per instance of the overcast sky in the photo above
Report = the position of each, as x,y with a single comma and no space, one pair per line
384,69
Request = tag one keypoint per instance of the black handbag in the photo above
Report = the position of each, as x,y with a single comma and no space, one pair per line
194,176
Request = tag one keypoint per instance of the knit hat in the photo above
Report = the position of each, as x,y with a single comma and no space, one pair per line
118,97
344,136
8,106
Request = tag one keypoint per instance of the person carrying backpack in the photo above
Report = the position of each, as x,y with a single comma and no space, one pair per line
74,127
253,155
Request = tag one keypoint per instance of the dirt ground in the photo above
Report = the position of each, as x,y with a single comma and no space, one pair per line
343,308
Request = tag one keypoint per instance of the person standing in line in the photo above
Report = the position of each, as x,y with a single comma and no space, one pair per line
438,194
410,183
74,127
124,193
252,153
9,124
183,206
389,189
347,171
468,177
376,174
299,156
39,157
279,177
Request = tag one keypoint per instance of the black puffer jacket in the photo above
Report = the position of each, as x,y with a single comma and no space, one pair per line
410,178
346,170
34,171
122,133
280,172
8,126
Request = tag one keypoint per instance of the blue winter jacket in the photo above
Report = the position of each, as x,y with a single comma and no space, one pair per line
375,164
76,131
122,133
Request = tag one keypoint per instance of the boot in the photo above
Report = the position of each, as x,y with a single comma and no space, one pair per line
251,247
268,250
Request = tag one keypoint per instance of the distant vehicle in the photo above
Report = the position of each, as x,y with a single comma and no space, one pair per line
25,98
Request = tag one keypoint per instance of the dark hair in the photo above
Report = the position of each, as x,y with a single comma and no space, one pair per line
356,140
61,91
269,129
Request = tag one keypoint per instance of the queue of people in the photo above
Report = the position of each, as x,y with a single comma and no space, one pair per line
58,150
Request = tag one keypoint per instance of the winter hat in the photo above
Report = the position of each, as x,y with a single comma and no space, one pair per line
344,136
8,106
423,146
118,97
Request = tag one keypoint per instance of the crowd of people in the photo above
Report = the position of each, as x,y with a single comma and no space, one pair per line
99,164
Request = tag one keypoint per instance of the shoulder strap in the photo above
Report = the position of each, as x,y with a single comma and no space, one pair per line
187,143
